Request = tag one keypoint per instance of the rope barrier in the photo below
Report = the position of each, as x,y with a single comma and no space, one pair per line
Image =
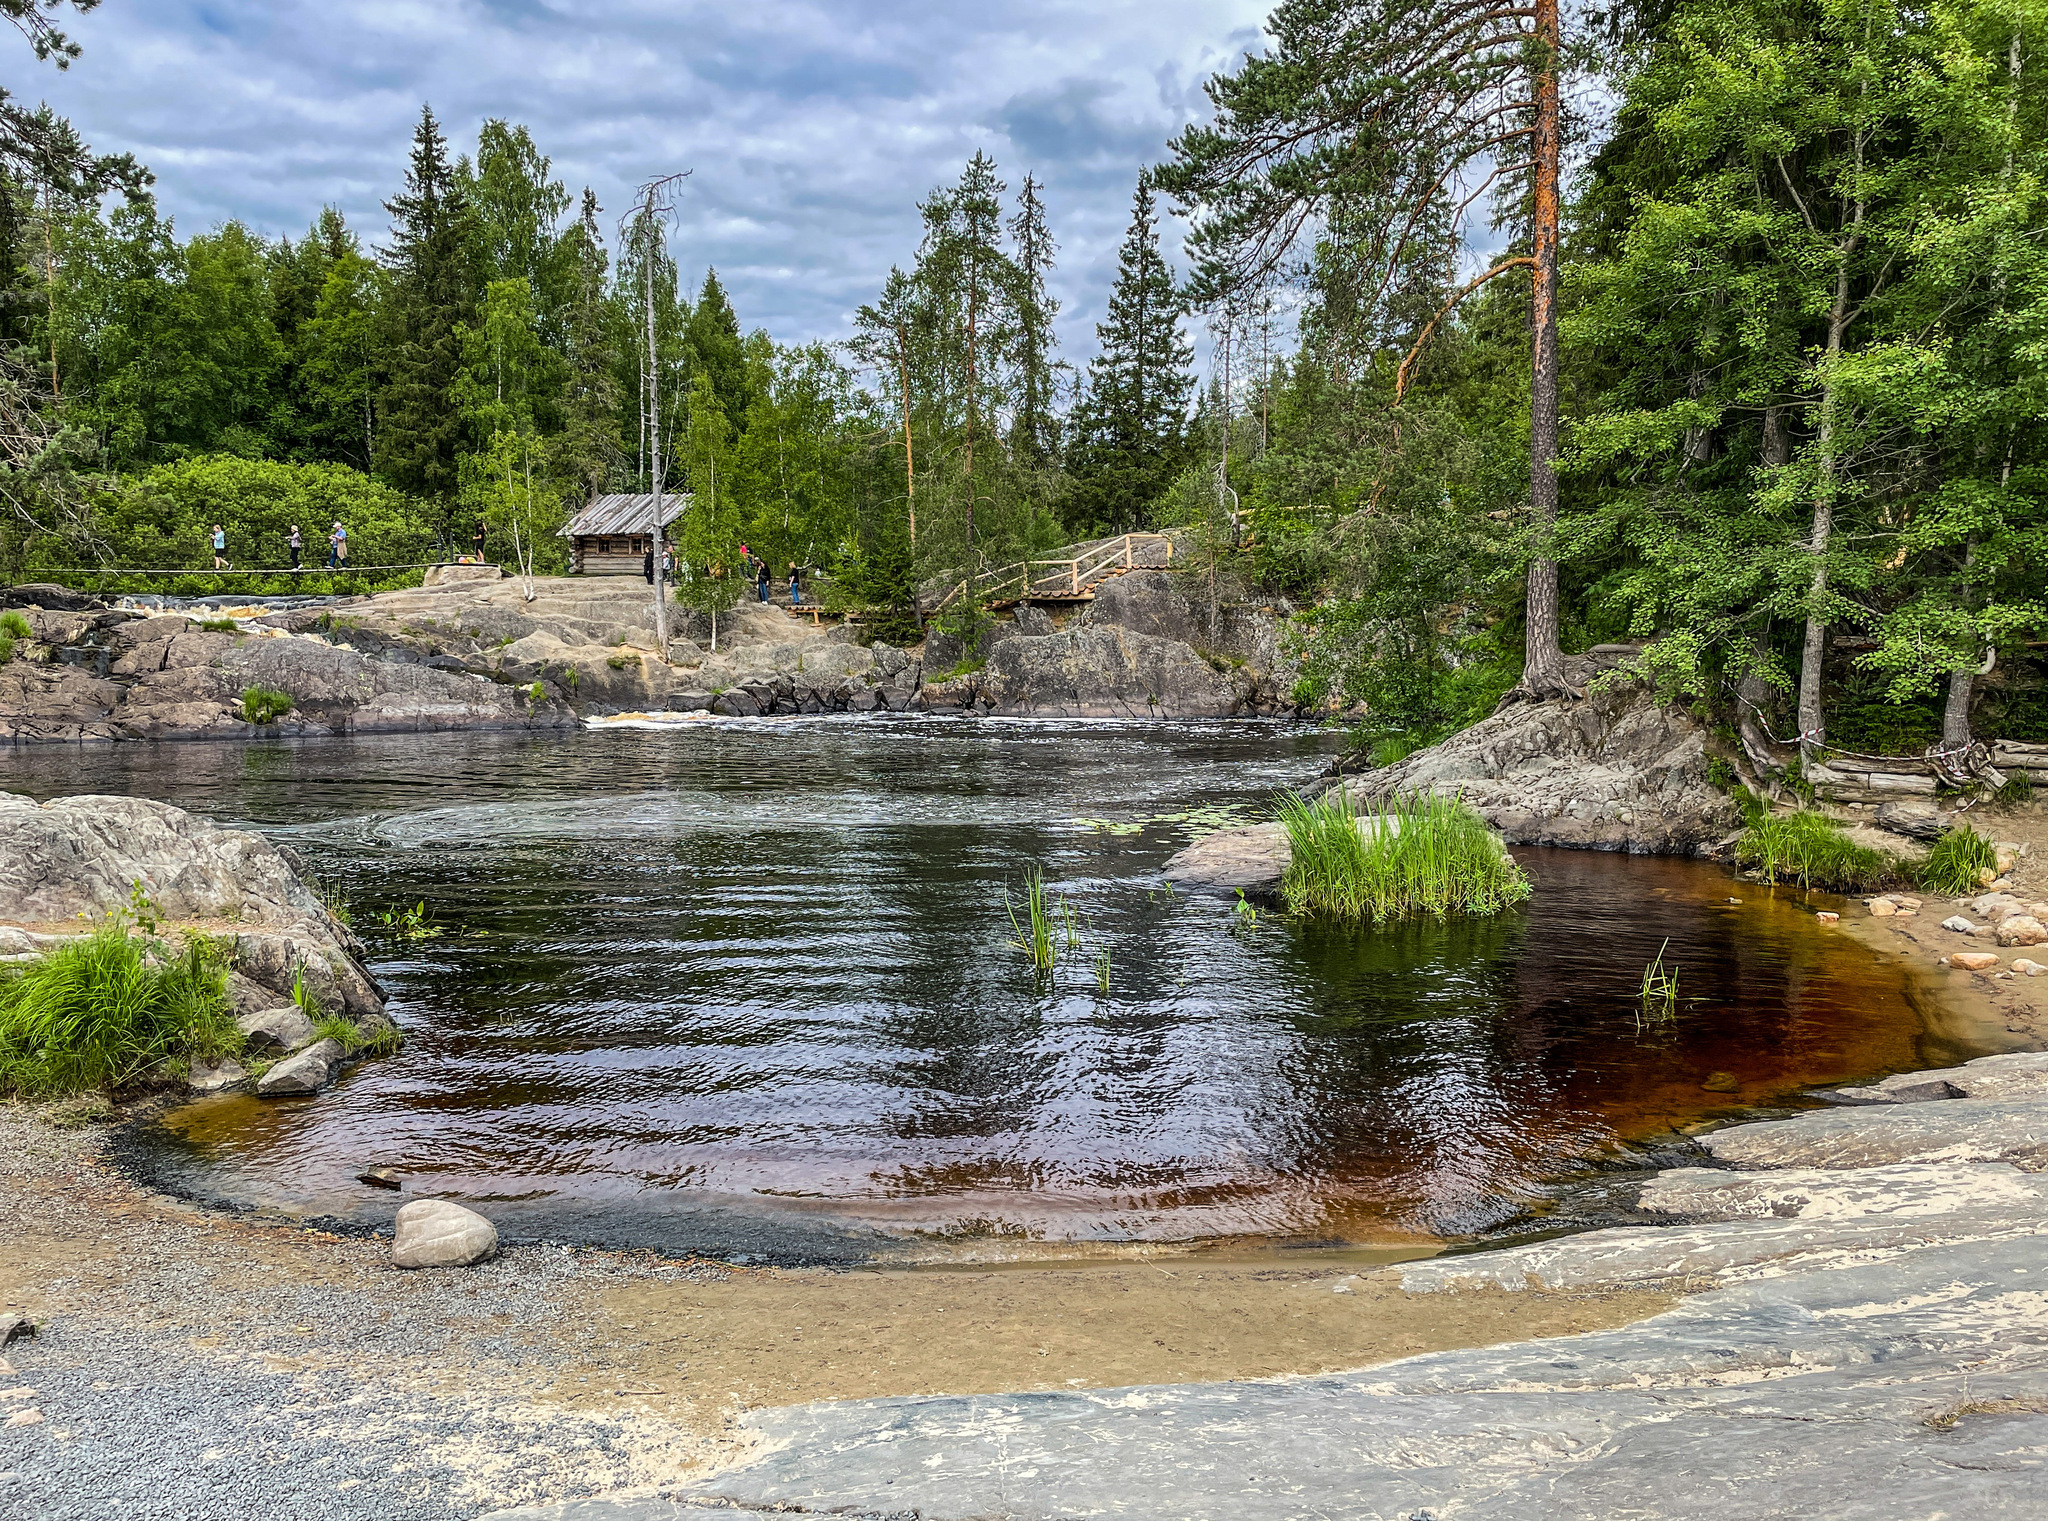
282,570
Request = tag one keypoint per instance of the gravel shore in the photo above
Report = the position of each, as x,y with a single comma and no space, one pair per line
199,1365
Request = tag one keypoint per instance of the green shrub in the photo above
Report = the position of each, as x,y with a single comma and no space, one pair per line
1812,850
6,648
1953,865
262,705
1720,774
102,1011
14,624
1420,854
220,625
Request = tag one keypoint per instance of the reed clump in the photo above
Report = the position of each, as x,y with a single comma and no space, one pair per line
1957,861
1811,850
1408,855
102,1011
1045,927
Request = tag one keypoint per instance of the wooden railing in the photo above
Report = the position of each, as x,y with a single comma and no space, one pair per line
1029,579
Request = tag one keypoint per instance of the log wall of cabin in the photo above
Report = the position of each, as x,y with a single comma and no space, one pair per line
617,554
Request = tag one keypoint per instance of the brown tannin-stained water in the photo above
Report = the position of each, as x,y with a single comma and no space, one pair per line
748,985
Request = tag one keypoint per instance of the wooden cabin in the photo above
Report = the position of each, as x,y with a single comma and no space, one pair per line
612,535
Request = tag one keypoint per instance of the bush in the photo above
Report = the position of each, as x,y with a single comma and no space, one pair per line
13,623
102,1011
262,705
1812,850
1421,854
220,625
1952,867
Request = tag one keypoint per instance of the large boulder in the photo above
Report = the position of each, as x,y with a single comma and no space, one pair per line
1616,771
440,1233
1105,672
303,1074
81,858
1145,602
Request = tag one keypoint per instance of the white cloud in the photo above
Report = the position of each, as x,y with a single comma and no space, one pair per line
812,129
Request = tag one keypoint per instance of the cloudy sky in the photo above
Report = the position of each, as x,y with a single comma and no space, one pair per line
812,128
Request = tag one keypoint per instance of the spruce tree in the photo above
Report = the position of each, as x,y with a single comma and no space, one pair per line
717,351
434,291
1131,425
1035,431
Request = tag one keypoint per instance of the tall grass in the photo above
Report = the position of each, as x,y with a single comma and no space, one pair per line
1420,854
1812,850
101,1011
1658,1001
1955,862
1044,924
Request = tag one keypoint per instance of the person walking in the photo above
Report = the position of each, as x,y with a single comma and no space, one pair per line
647,563
295,544
220,549
337,547
478,540
796,588
761,581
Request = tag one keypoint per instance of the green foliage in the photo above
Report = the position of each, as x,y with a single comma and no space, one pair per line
220,626
262,705
1811,850
410,925
302,997
14,624
6,648
1956,862
105,1010
1420,854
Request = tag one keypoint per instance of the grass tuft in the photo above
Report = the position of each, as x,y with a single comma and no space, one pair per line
102,1011
1044,923
1956,861
262,705
1812,850
1419,854
1658,1001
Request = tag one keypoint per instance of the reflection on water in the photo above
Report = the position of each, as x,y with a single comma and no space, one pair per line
761,970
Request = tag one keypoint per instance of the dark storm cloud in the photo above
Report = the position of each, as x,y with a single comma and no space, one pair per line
812,129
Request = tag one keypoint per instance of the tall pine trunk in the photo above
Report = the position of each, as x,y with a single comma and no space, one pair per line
1543,664
1813,652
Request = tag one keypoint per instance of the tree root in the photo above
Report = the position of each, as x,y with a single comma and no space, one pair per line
1540,689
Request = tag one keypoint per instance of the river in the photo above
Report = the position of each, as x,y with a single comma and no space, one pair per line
748,985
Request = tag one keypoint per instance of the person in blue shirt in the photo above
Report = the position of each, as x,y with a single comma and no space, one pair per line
220,549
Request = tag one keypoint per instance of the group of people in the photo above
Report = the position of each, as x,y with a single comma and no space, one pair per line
762,577
337,547
748,559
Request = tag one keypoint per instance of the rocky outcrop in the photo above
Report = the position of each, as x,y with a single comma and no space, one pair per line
1095,672
1815,1368
79,859
1616,771
112,674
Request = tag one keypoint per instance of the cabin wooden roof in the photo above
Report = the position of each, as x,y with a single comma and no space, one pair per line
625,513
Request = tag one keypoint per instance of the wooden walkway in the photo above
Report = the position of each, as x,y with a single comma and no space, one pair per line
1072,579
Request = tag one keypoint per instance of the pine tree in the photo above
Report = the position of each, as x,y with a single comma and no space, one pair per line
1130,428
1376,125
434,292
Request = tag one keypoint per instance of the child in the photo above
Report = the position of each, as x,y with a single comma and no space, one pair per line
220,549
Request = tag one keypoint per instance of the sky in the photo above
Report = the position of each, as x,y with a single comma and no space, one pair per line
811,129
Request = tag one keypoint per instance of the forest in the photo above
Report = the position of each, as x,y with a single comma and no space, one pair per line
1707,325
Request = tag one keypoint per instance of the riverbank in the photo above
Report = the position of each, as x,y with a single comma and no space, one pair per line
284,1371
